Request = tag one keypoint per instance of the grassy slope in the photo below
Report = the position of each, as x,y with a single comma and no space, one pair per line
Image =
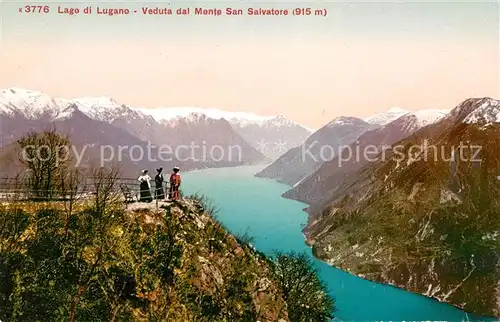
216,277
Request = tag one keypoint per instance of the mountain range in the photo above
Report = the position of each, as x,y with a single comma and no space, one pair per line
422,216
192,138
330,176
270,135
326,144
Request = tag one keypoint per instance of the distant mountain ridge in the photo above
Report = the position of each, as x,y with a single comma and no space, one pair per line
321,146
270,135
424,117
290,170
386,117
240,118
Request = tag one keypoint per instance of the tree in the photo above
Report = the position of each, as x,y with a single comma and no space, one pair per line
106,194
305,294
72,185
46,157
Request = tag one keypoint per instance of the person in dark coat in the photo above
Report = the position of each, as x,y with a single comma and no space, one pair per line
145,187
159,193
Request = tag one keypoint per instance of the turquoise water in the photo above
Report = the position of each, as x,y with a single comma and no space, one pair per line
255,205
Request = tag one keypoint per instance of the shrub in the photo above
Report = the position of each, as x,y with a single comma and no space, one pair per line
305,294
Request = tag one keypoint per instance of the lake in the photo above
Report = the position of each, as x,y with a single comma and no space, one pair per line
255,205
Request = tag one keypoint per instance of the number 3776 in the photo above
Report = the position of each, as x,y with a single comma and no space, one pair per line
35,9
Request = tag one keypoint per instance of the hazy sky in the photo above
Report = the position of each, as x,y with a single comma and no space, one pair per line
364,57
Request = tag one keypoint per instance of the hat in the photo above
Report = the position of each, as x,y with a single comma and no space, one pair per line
176,168
145,171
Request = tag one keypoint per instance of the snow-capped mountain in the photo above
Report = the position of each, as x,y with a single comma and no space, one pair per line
106,109
424,117
34,105
103,121
487,112
386,117
271,135
29,104
430,116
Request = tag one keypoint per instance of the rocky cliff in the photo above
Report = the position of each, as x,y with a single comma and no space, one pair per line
427,217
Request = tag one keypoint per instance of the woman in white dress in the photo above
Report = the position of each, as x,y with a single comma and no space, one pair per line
145,187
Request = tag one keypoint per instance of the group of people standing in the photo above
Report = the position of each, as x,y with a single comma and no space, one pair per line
145,185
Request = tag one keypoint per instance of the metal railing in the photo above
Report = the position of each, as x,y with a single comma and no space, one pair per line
19,188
